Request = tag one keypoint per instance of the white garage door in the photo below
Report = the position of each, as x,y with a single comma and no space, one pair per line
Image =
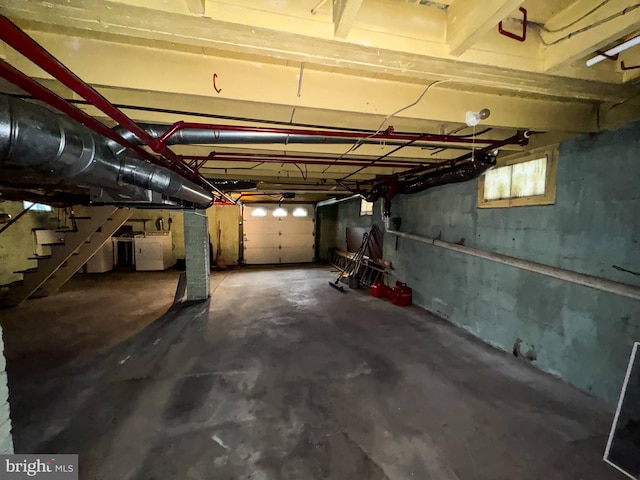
278,233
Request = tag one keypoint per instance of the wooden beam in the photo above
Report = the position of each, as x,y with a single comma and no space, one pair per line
344,14
590,35
389,55
574,10
145,69
196,6
468,20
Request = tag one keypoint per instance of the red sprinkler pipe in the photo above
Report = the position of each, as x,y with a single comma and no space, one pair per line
22,43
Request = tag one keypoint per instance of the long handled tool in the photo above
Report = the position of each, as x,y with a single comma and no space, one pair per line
356,259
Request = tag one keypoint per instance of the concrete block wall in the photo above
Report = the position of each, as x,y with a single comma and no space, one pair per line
196,240
326,227
6,441
349,216
579,334
16,243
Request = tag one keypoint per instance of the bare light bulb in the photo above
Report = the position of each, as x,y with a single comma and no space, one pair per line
473,118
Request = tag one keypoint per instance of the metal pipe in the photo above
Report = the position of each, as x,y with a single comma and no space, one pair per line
32,87
286,159
309,190
332,201
24,44
188,133
302,157
33,137
590,281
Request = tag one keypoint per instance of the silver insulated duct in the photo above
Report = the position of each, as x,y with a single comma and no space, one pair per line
36,140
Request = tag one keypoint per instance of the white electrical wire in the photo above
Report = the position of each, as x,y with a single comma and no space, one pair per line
391,115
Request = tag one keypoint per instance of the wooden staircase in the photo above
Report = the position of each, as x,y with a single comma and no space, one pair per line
73,250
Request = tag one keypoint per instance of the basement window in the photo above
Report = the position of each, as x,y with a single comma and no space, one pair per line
366,208
523,179
37,207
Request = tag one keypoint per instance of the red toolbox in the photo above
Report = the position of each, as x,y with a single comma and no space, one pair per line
379,290
400,295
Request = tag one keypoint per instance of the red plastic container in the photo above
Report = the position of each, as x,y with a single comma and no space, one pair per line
379,290
400,295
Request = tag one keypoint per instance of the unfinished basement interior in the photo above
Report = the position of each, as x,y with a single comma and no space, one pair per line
320,239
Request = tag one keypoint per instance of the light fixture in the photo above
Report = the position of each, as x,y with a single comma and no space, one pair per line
614,51
473,118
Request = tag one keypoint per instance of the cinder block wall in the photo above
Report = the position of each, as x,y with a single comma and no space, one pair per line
579,334
196,240
349,216
326,227
6,441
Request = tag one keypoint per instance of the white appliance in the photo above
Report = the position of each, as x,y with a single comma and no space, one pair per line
154,251
102,260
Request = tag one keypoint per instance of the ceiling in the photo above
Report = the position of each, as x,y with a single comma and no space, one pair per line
347,64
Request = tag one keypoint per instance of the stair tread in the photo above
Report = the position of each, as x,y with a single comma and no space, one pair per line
80,218
66,230
13,284
27,270
41,257
52,244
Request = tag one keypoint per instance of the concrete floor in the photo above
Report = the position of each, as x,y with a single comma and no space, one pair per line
279,376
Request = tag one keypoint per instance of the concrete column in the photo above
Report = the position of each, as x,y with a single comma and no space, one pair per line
196,248
6,441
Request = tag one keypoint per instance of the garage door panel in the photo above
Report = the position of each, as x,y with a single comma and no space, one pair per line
261,228
261,255
262,240
298,226
270,255
279,226
280,238
295,240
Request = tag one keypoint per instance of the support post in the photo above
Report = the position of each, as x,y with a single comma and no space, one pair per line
196,243
6,440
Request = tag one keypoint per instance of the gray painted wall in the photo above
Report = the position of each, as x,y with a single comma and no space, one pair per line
349,216
577,333
333,221
326,225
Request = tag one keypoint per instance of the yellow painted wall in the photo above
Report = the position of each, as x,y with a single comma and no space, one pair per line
229,218
16,243
227,215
